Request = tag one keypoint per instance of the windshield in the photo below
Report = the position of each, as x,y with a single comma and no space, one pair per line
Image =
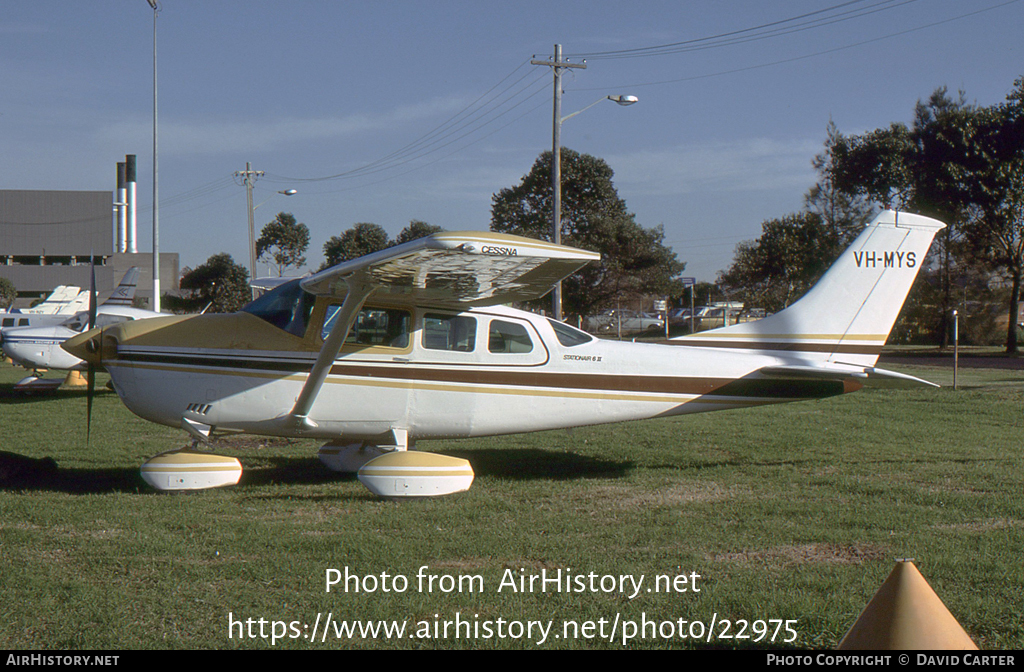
287,307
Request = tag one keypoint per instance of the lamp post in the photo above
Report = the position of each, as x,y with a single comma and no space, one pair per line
556,177
249,176
156,188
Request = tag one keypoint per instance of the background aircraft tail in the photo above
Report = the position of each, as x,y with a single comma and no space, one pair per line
847,316
124,293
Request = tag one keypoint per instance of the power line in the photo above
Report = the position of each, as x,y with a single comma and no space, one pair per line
485,110
763,31
817,53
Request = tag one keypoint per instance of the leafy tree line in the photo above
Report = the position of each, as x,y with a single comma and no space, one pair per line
220,285
635,261
8,294
958,162
366,238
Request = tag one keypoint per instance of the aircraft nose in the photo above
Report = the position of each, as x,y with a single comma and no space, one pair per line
85,346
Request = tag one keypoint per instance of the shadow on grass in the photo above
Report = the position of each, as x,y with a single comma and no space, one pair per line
81,481
510,463
533,463
8,395
513,464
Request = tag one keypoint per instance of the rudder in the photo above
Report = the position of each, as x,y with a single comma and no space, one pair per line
847,316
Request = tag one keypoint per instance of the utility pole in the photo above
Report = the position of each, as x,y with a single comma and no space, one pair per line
558,66
156,176
249,179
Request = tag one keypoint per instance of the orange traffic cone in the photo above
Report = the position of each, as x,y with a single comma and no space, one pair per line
906,613
75,379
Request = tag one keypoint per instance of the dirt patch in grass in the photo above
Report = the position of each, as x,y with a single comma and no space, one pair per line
671,494
784,556
983,525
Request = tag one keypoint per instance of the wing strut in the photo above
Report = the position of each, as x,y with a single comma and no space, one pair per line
358,291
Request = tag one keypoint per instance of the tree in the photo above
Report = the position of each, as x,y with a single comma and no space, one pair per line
879,164
363,238
8,294
961,163
285,241
778,268
996,197
842,214
634,260
219,282
794,251
415,230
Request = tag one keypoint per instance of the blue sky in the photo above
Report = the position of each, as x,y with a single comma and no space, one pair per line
426,109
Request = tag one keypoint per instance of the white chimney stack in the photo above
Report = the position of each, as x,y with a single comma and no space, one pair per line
131,229
122,211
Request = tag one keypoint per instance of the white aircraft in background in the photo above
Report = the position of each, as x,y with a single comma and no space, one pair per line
38,347
63,301
410,343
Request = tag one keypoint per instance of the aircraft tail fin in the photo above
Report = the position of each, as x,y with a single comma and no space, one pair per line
124,293
847,316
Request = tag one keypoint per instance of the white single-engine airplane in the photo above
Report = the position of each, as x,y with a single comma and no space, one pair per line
411,343
38,346
62,302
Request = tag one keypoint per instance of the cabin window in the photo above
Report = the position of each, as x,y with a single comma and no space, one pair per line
454,333
508,337
568,336
77,323
8,322
373,326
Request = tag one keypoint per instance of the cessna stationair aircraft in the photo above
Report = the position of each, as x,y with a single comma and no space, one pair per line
412,343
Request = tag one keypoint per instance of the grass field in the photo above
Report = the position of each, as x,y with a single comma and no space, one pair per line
790,513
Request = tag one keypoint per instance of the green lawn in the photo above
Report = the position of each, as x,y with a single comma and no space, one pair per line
790,513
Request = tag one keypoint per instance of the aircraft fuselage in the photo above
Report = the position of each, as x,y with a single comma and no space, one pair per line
433,373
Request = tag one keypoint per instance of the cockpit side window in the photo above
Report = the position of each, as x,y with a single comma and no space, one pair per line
388,327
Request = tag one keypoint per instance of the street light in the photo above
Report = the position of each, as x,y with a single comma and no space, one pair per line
252,226
156,188
556,176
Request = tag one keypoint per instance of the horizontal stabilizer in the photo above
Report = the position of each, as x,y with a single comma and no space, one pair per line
868,376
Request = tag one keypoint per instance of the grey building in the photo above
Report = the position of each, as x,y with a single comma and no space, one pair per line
47,238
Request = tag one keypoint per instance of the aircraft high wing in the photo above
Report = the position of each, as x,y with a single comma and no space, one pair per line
63,300
412,343
456,270
61,303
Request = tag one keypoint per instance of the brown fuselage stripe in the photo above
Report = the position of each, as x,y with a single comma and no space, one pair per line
750,387
779,345
681,385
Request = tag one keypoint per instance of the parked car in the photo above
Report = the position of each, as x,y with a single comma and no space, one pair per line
626,320
714,316
679,316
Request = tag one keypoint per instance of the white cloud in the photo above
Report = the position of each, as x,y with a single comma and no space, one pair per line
202,137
